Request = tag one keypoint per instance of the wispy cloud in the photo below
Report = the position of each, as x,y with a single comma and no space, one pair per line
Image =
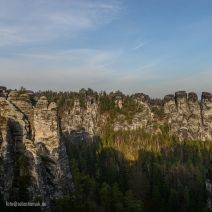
139,45
87,58
68,69
11,36
34,21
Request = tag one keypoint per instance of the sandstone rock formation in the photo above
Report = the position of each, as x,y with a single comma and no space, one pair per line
188,118
30,133
51,149
206,108
141,119
185,115
78,117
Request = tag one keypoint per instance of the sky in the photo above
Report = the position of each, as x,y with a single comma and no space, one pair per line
152,46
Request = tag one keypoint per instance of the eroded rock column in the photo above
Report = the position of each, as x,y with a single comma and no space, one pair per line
206,103
54,162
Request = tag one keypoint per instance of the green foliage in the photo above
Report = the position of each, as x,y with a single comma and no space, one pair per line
105,196
164,176
106,103
158,111
132,204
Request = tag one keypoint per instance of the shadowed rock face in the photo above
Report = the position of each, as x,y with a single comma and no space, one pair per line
181,102
209,187
193,104
32,132
192,97
169,104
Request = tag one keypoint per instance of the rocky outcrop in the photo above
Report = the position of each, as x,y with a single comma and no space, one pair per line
31,148
53,157
79,117
3,91
188,118
119,102
14,130
185,115
143,118
206,106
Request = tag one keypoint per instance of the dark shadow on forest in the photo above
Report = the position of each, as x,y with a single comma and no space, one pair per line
172,180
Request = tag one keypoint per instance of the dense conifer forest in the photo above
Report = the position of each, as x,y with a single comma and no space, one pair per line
137,172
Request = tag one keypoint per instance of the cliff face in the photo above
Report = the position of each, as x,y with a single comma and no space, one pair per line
78,117
31,149
143,118
187,118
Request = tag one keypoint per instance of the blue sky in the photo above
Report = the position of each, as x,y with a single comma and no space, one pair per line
150,46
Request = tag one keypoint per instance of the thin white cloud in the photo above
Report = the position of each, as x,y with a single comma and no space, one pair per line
38,74
140,45
74,58
31,21
70,69
11,36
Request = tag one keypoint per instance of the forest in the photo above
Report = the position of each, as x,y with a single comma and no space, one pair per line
125,171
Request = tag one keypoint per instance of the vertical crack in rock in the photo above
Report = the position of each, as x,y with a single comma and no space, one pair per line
54,162
31,150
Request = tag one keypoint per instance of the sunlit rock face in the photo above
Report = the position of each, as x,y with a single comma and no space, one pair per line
194,119
46,125
51,149
78,117
206,104
187,117
141,119
29,132
119,102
